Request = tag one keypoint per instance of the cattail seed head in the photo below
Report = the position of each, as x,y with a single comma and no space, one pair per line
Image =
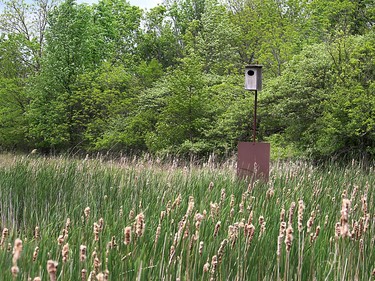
97,264
15,270
36,233
232,201
291,212
213,265
17,249
206,267
82,253
127,235
217,228
220,252
4,235
52,269
65,252
140,225
289,238
87,212
35,254
83,275
201,248
301,208
157,234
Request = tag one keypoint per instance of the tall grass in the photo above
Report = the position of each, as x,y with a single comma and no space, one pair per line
45,192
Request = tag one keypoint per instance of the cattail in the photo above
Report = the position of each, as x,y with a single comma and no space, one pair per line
87,213
326,221
96,231
168,208
249,232
17,249
65,252
67,223
162,215
210,186
52,269
344,194
172,251
232,201
223,196
289,238
157,234
60,240
213,266
366,223
92,276
282,229
345,218
262,225
241,206
217,228
97,264
313,236
190,206
206,267
15,270
337,230
101,224
186,232
282,215
131,214
364,204
35,254
102,276
214,209
140,225
310,221
82,253
231,213
112,244
176,202
201,248
4,235
198,218
127,235
250,219
291,212
36,233
220,252
361,246
83,275
233,233
270,192
301,208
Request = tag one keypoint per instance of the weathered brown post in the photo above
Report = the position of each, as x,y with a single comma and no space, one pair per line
253,157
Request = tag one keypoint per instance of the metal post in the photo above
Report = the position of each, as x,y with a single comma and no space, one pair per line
255,116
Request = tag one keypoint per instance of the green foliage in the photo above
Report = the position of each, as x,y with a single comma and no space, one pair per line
110,76
328,93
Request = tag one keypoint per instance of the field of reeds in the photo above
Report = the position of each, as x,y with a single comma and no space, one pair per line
141,219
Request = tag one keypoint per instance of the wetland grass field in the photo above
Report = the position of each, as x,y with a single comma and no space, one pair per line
143,219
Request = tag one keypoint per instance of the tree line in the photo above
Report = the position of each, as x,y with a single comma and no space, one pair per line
113,77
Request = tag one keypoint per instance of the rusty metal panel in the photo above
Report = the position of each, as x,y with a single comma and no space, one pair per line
253,161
